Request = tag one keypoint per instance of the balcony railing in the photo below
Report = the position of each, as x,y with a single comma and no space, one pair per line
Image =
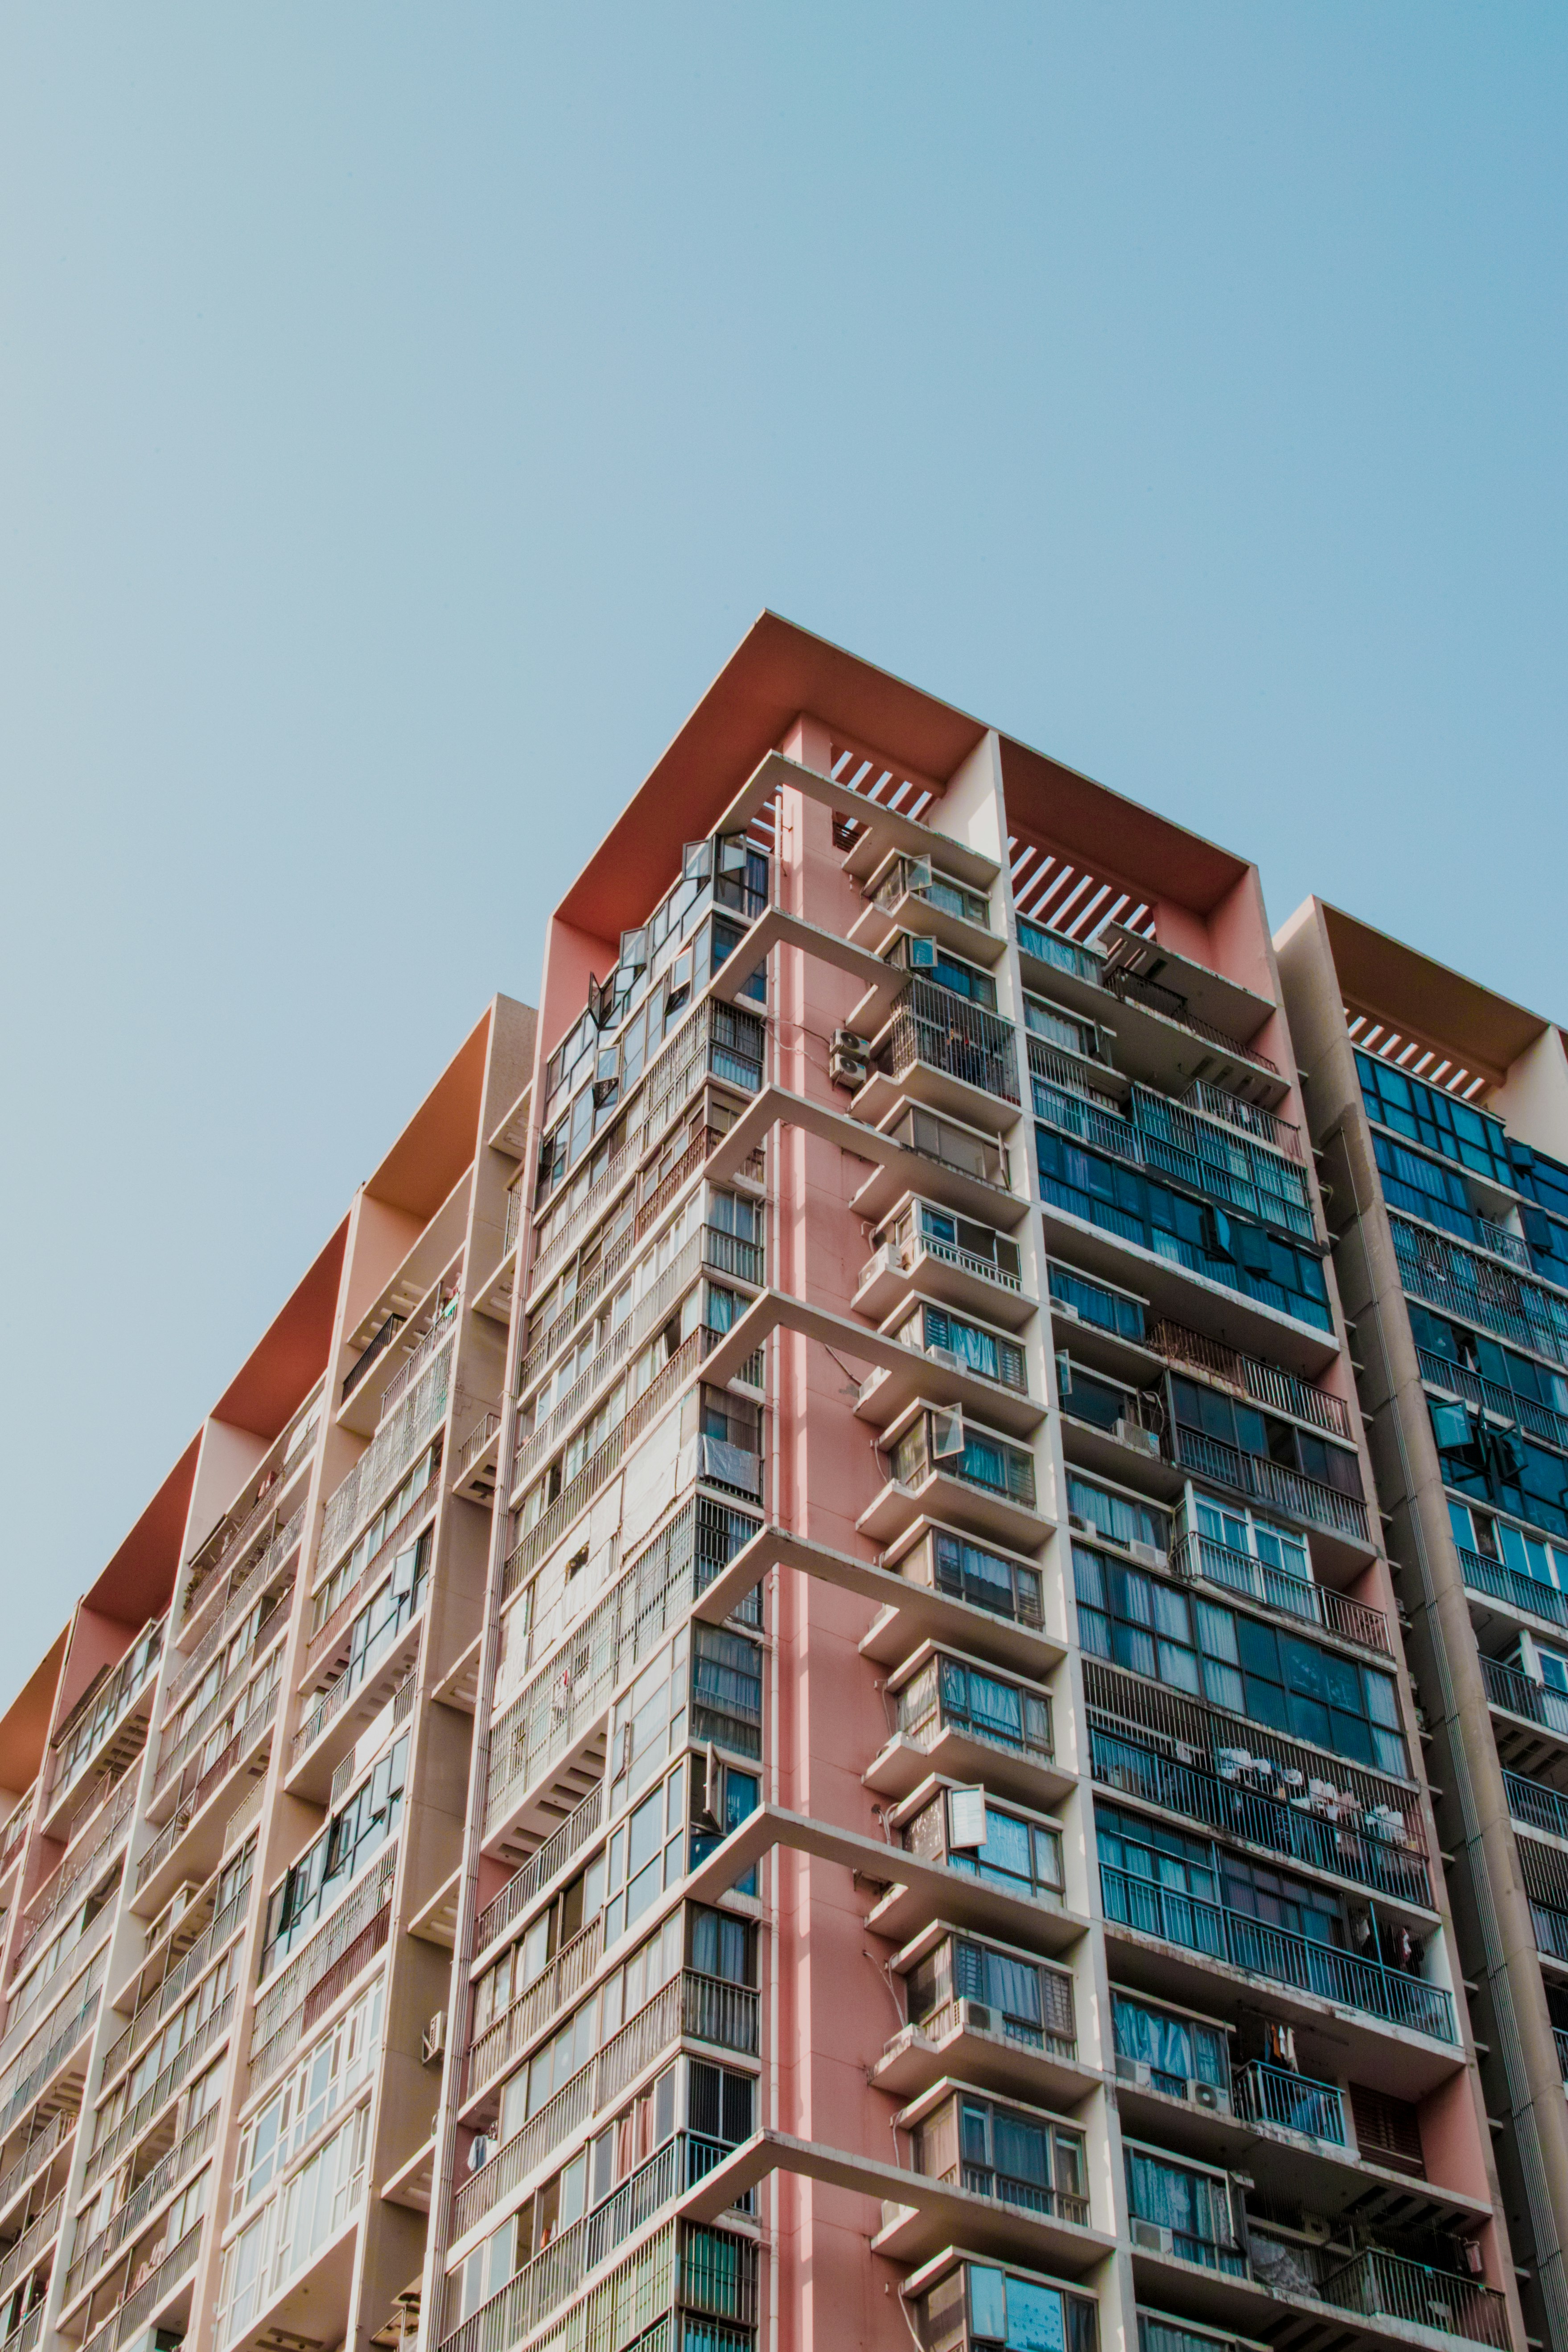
536,2006
600,1467
1271,1483
76,1872
944,1032
355,1675
257,1575
1250,1376
540,1867
191,1964
173,1755
1561,2037
1464,1224
158,2094
542,2285
1507,1688
1500,1582
371,1355
1275,2095
1535,1806
1277,1954
1550,1930
23,2251
1199,1558
1088,963
61,2033
1161,1136
166,2174
191,1803
139,2306
388,1455
1234,1811
1251,1118
40,2150
233,1533
1376,2284
1459,1380
295,1997
1476,1289
1027,2195
703,2007
104,1713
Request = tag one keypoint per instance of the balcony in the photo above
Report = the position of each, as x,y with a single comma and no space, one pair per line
709,2273
1278,2098
946,1466
1478,1290
538,1726
953,1055
79,1866
1153,1039
58,2045
346,1942
1382,2285
1203,1560
999,1874
251,1579
574,1498
125,2134
1023,2160
955,2303
914,894
690,2006
1301,1829
717,1041
1535,1806
1012,2028
165,2176
140,2300
1530,1719
105,1728
1498,1581
966,1168
952,1260
194,1815
947,1562
389,1454
1265,1384
1460,1380
955,1719
1199,1153
179,1977
1345,1979
1261,1480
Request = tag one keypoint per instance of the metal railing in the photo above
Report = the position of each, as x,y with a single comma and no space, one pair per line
1250,1376
166,2174
172,1757
1500,1582
325,1637
439,1329
57,2039
388,1457
1199,1558
1560,2036
158,2094
256,1725
139,2305
104,1711
287,1995
1173,1142
1377,2284
1476,1289
250,1587
1550,1930
1131,988
537,2006
1508,1687
220,1928
473,1445
232,1535
23,2252
540,1867
1461,1380
574,1498
1250,1117
40,2150
535,1443
371,1354
1535,1806
1346,1979
1273,1483
945,1032
1275,2095
1026,2196
56,1893
358,1672
1234,1811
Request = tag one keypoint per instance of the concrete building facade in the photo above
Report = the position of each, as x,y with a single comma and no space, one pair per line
774,1713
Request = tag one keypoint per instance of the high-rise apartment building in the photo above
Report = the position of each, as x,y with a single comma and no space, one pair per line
774,1714
1441,1112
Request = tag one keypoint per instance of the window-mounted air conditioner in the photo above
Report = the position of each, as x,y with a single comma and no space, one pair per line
432,2040
1154,2237
1150,1554
1142,1440
1065,1306
977,2016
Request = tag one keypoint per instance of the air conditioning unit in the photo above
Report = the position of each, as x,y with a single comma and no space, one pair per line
847,1065
1065,1306
177,1903
1317,2229
947,1356
1154,2237
1133,1433
1136,2071
1208,2094
1150,1554
1078,1524
977,2016
432,2040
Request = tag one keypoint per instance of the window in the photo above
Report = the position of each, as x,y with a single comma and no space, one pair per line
978,2303
1426,1116
934,962
1177,2049
1034,2002
1501,1466
314,2089
1236,1663
349,1569
1119,1518
976,1348
949,1692
1194,2206
1018,1854
1499,1540
726,1689
1256,1262
1058,1027
985,1579
1242,1429
646,1853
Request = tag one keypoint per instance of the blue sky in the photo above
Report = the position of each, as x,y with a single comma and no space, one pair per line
403,411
